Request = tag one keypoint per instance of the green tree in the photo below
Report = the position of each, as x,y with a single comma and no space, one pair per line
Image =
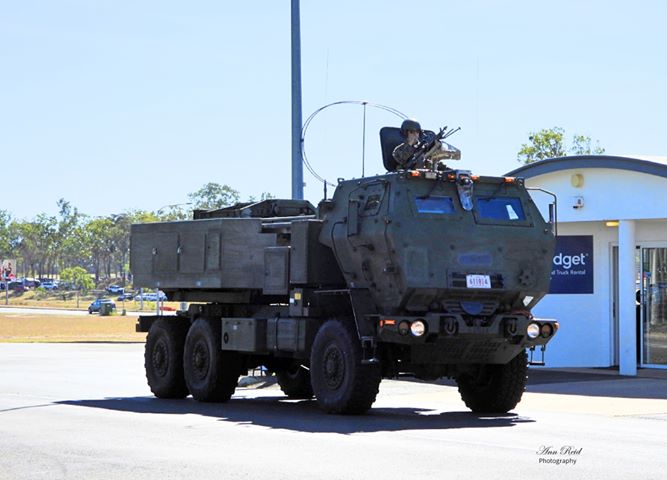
99,233
172,213
75,248
34,242
143,216
581,145
69,220
549,143
214,195
263,196
78,277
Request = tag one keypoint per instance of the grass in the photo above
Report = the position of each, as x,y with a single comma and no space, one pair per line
22,328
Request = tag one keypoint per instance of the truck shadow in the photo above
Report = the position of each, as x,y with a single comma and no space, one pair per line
603,382
304,416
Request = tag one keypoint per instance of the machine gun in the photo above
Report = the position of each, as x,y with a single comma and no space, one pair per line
428,144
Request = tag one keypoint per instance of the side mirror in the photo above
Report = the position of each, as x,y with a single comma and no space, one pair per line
553,208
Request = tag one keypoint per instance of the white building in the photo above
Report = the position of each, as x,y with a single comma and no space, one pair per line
610,265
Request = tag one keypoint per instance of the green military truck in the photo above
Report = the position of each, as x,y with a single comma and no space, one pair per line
429,273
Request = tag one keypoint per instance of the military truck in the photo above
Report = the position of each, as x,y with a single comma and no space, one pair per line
428,273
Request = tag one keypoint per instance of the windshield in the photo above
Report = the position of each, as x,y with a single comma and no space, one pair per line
435,204
500,208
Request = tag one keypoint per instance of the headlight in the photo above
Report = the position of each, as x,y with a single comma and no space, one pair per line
418,328
404,327
547,330
533,330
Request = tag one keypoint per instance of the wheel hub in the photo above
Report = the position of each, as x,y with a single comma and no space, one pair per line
334,367
200,360
160,358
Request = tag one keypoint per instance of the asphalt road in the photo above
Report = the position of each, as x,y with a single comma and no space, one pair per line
84,411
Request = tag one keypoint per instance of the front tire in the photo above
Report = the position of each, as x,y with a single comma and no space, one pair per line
340,382
163,358
495,388
210,373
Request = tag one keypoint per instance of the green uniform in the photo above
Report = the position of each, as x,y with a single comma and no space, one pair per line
404,152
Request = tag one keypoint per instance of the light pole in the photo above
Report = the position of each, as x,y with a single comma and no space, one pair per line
297,163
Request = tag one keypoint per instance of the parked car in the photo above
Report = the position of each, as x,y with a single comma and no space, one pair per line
151,297
49,285
125,296
31,283
17,286
115,289
97,304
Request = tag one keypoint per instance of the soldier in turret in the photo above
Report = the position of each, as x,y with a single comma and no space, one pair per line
410,130
423,149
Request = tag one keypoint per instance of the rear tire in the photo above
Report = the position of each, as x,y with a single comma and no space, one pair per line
295,382
495,388
210,373
163,358
340,382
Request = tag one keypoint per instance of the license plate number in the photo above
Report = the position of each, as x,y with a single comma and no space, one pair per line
478,281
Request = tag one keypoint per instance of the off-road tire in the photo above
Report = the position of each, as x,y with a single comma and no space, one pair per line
295,382
210,373
495,388
340,382
163,358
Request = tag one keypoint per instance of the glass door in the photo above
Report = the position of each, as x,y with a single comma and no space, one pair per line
654,306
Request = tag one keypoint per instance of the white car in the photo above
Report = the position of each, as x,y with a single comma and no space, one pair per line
151,297
49,285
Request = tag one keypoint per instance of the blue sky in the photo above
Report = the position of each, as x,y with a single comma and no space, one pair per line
116,105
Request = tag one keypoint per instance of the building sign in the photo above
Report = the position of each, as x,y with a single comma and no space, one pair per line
7,269
572,267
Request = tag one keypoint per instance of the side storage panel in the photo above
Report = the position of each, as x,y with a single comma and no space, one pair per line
276,270
312,263
291,334
243,246
215,254
244,334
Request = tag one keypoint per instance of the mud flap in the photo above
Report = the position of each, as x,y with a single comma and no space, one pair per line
364,310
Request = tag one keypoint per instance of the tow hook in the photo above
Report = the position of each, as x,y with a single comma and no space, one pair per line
538,363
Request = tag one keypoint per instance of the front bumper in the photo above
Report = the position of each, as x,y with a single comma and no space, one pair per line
450,339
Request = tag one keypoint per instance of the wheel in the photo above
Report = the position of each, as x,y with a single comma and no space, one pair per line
495,388
295,382
163,358
90,312
340,382
210,373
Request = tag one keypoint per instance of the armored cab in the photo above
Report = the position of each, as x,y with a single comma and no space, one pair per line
429,273
440,242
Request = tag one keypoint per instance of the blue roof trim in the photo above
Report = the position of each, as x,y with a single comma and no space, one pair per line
589,161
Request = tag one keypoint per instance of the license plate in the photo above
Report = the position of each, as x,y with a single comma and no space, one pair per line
478,281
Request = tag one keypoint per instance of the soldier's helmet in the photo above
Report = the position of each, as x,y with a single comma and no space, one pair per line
410,124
